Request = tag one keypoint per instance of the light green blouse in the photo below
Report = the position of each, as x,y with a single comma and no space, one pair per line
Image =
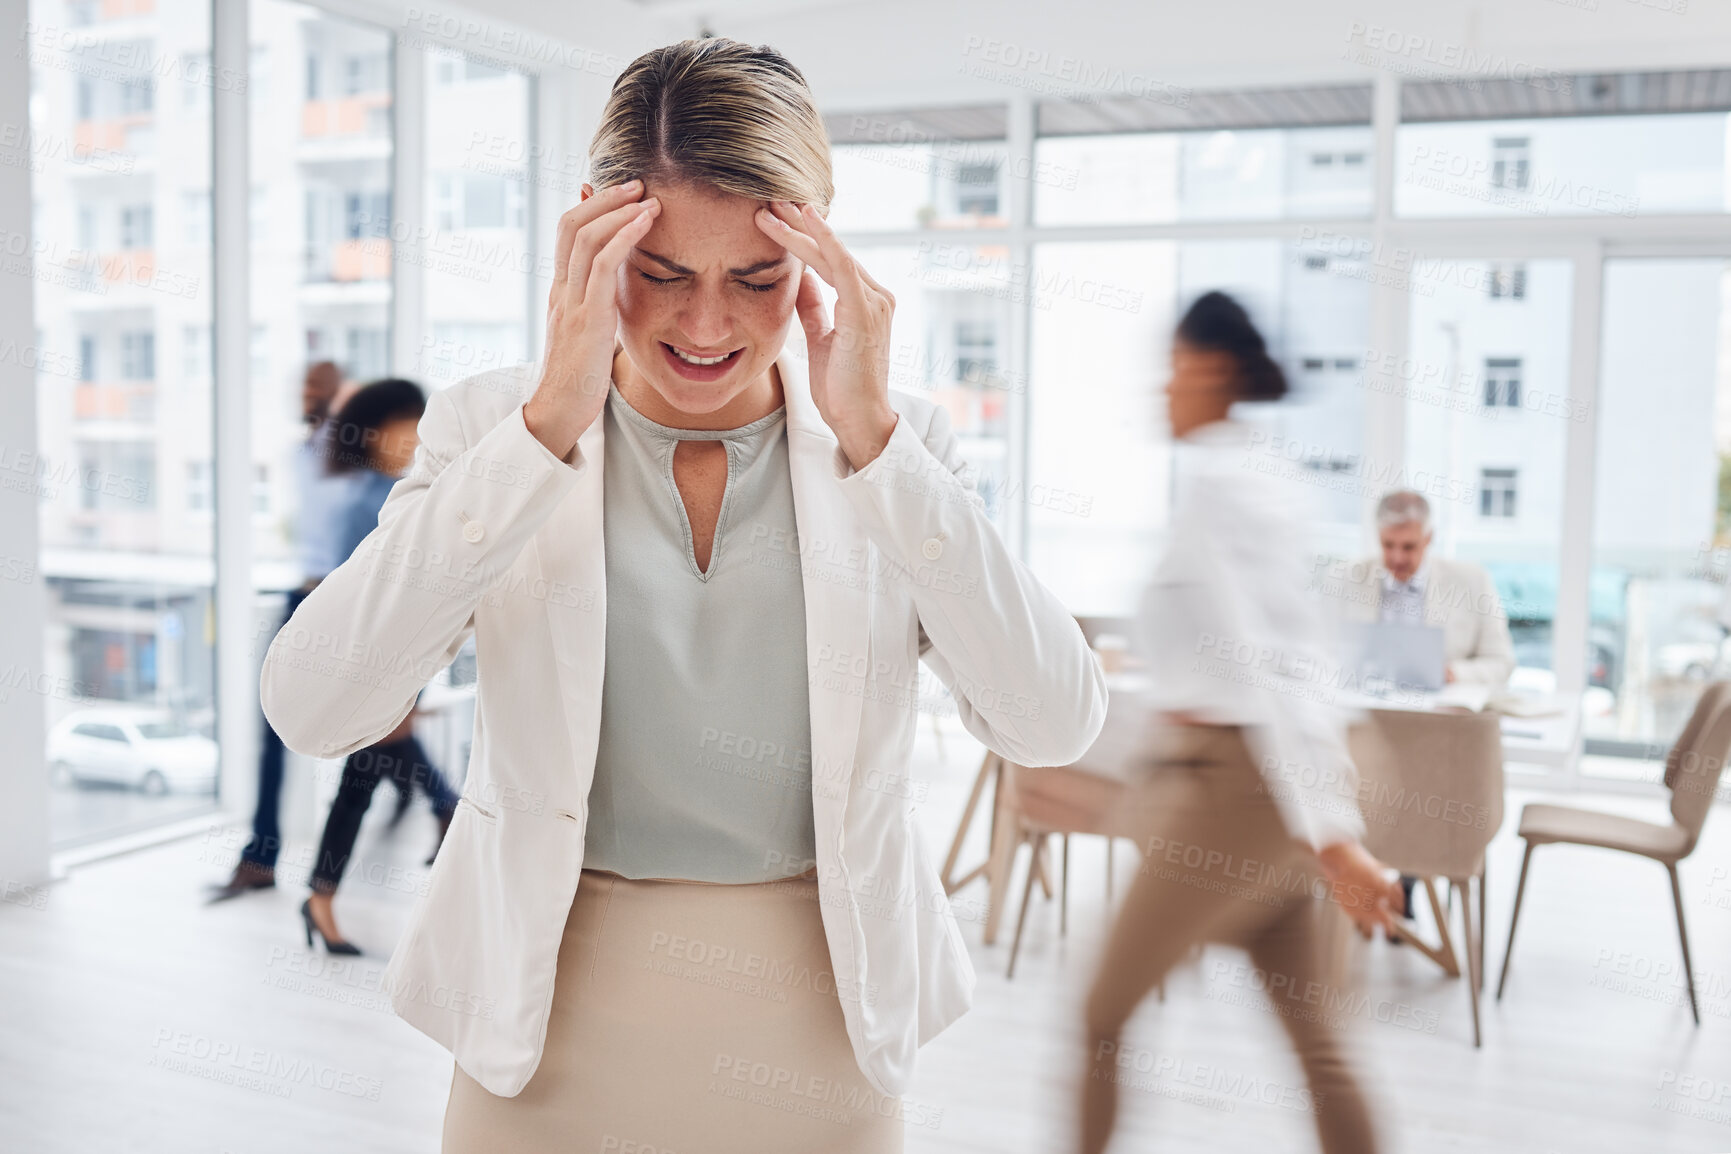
704,766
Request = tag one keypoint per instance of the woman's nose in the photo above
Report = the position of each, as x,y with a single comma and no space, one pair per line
704,320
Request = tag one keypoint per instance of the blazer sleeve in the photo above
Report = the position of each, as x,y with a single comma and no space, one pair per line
1493,657
1024,679
348,665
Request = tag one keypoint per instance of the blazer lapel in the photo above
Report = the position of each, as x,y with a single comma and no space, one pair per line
572,551
837,570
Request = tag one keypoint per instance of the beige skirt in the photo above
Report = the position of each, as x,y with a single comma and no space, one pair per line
687,1018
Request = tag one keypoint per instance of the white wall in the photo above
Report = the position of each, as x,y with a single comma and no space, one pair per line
23,773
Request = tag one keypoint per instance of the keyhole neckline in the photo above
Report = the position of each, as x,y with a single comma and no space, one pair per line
669,433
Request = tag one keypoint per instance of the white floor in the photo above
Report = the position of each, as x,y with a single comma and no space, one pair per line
134,1018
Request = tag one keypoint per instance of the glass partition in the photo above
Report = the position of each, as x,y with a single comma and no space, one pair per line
1661,507
475,236
951,344
1486,386
120,121
1620,166
928,184
322,246
1226,174
1100,454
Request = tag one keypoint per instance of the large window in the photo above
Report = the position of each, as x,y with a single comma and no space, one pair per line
1486,388
1101,465
475,235
122,97
322,143
941,170
951,344
1219,174
1605,165
120,120
1662,503
957,298
1040,251
1051,351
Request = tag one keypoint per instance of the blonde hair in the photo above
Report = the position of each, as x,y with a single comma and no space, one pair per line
719,113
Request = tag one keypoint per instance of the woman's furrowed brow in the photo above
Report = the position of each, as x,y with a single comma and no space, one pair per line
760,266
664,262
748,270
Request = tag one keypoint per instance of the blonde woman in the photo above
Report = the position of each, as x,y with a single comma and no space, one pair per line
683,904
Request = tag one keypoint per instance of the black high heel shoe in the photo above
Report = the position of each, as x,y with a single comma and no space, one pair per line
337,947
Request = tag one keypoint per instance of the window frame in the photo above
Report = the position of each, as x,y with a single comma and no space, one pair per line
1587,241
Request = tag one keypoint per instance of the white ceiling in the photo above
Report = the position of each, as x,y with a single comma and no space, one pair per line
899,52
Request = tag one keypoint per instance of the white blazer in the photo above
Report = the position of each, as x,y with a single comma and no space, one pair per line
1459,598
490,534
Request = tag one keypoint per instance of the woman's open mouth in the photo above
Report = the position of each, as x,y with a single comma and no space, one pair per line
696,366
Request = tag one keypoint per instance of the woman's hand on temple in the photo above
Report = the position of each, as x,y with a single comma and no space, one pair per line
1361,887
583,312
849,360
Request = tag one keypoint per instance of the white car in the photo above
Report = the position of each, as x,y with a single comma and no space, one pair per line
148,750
1690,660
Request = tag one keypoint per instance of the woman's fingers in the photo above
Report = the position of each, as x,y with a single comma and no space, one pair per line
848,274
831,261
600,289
801,230
593,237
778,222
580,214
813,316
871,280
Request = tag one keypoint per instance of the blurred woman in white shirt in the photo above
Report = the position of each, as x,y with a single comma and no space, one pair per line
1248,822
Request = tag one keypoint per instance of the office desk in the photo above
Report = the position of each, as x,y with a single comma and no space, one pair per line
1552,740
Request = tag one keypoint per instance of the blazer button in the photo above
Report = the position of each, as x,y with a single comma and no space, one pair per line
933,548
473,532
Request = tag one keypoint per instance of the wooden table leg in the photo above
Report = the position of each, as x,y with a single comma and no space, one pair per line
987,767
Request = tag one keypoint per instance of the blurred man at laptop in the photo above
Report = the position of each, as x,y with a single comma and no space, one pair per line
1410,586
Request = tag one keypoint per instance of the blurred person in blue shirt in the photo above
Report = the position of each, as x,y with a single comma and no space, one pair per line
371,443
321,388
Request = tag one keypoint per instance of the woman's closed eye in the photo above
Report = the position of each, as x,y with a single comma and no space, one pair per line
759,288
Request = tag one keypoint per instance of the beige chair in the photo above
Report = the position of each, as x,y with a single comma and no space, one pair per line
1001,849
1055,801
1431,792
1691,774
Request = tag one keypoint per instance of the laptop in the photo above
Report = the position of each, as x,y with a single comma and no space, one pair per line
1407,657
